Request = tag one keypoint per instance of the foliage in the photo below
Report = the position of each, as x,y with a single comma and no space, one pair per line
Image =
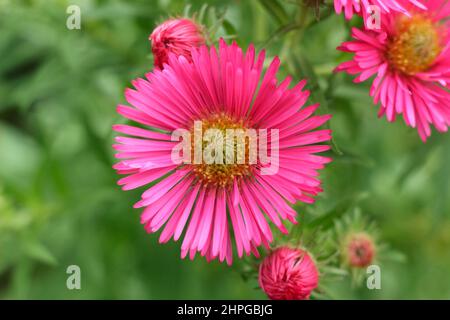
59,203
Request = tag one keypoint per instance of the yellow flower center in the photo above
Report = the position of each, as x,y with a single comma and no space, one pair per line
416,45
233,165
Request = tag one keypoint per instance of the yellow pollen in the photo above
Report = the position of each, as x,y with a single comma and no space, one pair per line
218,174
416,45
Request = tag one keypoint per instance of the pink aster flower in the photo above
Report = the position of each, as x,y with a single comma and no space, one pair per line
221,88
177,36
410,57
288,274
362,7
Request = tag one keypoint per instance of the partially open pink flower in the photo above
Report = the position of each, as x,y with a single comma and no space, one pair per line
288,274
222,89
177,36
360,250
410,57
364,7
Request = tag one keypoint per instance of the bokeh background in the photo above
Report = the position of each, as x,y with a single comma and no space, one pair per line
59,203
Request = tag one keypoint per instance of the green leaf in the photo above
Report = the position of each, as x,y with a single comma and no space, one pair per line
304,69
276,10
326,220
395,256
40,253
201,14
281,31
229,28
187,10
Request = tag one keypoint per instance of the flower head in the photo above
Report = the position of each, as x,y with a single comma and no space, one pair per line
357,239
177,36
288,274
410,57
220,90
364,7
359,250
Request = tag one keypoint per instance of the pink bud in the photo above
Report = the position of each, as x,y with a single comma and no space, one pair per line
288,274
360,250
177,36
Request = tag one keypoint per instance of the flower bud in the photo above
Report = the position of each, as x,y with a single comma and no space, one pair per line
360,250
288,274
178,36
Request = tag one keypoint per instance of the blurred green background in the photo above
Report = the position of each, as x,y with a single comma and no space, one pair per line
59,203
